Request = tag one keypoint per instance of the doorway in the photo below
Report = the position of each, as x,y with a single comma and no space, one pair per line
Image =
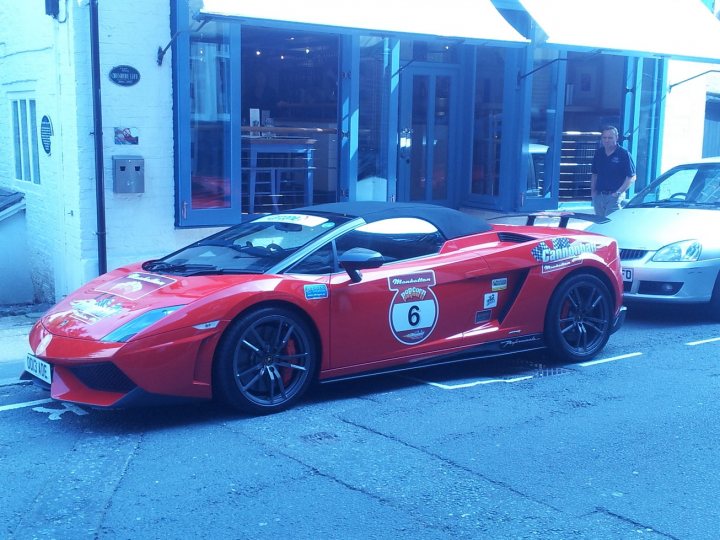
427,152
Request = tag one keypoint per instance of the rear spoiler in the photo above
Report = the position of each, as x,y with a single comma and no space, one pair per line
563,215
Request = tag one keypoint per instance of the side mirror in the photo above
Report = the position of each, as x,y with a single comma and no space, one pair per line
356,259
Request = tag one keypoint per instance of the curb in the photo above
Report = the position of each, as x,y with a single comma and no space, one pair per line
32,311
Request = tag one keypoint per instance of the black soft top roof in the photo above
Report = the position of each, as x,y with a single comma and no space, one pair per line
451,223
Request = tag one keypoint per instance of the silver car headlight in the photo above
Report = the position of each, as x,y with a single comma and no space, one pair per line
685,251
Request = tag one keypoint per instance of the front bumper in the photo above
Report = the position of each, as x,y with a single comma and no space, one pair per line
681,283
166,367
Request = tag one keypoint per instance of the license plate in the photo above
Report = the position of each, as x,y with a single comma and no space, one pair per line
627,274
39,368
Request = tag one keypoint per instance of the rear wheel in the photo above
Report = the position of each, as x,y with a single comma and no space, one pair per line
578,321
266,361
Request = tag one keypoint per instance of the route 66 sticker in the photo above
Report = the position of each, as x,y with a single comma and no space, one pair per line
414,308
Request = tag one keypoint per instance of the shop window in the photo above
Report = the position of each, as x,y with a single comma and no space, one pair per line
373,119
542,123
25,140
262,109
593,99
487,124
289,118
210,117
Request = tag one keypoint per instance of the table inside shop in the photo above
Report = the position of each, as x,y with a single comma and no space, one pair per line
274,165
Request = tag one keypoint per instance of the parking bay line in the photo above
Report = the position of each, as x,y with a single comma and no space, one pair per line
703,341
612,359
470,385
4,408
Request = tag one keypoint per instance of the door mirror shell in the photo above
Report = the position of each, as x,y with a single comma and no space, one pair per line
356,259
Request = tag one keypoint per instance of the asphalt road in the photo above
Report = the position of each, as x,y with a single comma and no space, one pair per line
519,448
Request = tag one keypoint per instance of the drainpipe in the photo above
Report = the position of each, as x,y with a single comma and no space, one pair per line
98,138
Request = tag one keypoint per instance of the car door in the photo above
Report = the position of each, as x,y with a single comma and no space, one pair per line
414,305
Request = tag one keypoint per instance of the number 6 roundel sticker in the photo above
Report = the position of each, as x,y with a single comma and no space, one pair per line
414,308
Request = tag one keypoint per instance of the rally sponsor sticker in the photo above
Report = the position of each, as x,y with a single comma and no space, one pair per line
299,219
316,291
559,265
135,285
414,308
491,300
499,284
91,310
560,253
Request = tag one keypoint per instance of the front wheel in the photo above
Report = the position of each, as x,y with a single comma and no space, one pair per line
713,307
579,316
266,361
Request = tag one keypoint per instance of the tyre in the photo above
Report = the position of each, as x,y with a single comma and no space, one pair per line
266,361
713,307
578,320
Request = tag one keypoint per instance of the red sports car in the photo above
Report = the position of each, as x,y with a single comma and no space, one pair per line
253,314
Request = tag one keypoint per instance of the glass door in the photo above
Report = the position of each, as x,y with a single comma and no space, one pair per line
427,158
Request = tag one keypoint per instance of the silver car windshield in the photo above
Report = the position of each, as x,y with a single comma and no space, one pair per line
686,186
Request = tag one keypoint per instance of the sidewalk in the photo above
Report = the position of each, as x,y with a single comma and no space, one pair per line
15,325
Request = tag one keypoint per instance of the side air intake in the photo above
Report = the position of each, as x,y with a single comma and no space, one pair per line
515,238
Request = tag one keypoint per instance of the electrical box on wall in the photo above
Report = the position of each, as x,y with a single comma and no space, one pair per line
128,174
52,8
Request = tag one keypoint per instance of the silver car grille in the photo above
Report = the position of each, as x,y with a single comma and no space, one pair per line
632,254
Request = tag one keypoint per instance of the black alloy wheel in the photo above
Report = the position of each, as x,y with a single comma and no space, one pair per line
578,321
266,361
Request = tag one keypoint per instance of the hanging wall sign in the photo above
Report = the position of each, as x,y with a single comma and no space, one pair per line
124,75
46,131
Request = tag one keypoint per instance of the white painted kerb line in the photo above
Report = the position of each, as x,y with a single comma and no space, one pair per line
703,341
4,408
613,359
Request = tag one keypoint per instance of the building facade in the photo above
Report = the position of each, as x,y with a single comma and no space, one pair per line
133,128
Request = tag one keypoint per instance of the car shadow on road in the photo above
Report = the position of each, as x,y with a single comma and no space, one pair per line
676,315
202,413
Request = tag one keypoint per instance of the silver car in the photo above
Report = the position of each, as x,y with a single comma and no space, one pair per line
669,237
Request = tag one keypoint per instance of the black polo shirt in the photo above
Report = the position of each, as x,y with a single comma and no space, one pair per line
613,169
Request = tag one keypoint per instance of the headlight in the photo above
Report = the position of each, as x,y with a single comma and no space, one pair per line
128,330
685,251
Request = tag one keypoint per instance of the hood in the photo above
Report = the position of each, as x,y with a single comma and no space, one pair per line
114,299
652,228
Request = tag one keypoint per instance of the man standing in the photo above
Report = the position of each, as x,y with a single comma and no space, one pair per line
613,170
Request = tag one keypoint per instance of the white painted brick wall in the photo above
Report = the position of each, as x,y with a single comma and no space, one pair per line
51,63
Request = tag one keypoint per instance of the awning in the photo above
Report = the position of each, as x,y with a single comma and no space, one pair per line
682,29
476,21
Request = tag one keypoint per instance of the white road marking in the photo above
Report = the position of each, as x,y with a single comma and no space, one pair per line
470,385
56,414
703,341
613,359
4,408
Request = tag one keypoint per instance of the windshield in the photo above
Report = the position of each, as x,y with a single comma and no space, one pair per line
691,186
248,248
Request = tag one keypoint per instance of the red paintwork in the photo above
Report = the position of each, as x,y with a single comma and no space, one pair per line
353,323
